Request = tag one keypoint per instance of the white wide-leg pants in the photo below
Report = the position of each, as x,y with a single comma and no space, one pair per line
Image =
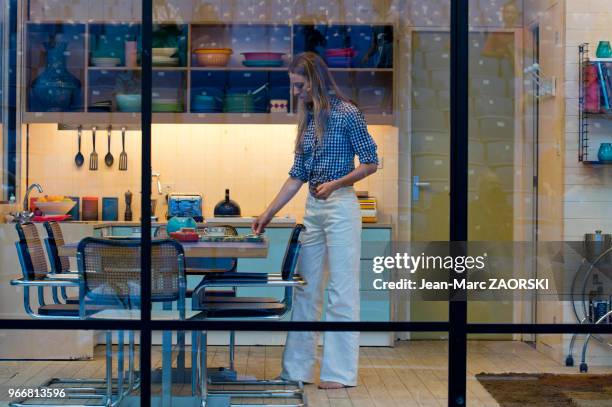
333,232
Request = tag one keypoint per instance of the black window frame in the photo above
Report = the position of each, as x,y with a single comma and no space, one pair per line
457,326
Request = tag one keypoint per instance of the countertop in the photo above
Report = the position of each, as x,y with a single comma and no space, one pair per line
277,222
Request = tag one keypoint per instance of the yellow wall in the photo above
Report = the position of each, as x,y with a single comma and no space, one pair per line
251,160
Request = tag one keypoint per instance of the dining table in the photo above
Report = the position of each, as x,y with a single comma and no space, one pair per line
199,249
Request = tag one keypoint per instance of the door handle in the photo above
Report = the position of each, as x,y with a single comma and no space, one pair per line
417,184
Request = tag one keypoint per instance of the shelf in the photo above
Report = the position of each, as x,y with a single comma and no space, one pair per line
596,163
369,87
120,118
281,69
114,68
603,115
238,68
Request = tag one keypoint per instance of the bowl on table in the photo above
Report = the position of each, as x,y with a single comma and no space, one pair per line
55,207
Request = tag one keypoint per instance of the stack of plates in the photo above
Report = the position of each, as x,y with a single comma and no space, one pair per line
101,106
262,63
340,57
160,60
106,62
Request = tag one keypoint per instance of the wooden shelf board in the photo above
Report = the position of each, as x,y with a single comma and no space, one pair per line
238,68
83,118
590,162
244,68
603,115
114,68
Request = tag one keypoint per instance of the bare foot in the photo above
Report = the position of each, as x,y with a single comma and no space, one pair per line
331,385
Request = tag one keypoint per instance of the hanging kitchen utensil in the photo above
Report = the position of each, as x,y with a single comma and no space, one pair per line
78,158
93,157
109,159
123,155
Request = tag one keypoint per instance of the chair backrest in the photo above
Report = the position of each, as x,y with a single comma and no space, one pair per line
292,253
110,270
55,238
31,251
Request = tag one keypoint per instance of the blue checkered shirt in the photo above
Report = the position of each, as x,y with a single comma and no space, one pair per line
346,136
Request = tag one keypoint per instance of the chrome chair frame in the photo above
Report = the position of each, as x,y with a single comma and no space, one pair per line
31,279
288,279
84,290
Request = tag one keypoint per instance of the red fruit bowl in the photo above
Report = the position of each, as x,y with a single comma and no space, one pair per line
263,56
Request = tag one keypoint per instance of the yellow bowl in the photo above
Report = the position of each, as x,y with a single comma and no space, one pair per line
213,51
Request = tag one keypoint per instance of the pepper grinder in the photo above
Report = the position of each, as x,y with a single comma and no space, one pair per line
128,206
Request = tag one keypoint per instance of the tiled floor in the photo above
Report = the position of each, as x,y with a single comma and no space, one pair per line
411,374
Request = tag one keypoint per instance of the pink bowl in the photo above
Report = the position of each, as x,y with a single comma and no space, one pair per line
263,56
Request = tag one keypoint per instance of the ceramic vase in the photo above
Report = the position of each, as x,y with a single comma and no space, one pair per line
55,87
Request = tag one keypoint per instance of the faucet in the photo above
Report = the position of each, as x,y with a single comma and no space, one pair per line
25,215
27,195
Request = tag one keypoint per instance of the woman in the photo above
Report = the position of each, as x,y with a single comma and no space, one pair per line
331,131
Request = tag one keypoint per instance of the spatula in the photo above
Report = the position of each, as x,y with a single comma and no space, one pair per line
79,159
93,157
109,159
123,155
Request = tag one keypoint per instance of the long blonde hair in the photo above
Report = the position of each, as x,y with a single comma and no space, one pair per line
312,67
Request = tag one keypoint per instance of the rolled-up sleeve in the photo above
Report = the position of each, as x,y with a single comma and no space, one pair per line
298,170
362,142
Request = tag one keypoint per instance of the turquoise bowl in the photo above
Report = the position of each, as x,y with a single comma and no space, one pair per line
176,223
128,102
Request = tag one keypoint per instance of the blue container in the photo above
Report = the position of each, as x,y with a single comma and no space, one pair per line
605,153
110,209
74,212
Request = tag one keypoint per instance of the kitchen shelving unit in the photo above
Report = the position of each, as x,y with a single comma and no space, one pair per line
588,119
370,86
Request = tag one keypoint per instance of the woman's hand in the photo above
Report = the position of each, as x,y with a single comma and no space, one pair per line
323,191
260,223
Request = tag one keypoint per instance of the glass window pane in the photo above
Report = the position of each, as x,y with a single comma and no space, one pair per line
226,113
77,155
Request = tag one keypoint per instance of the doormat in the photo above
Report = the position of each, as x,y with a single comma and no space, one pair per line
548,390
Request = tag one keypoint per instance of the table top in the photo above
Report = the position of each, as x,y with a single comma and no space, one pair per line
134,314
202,249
